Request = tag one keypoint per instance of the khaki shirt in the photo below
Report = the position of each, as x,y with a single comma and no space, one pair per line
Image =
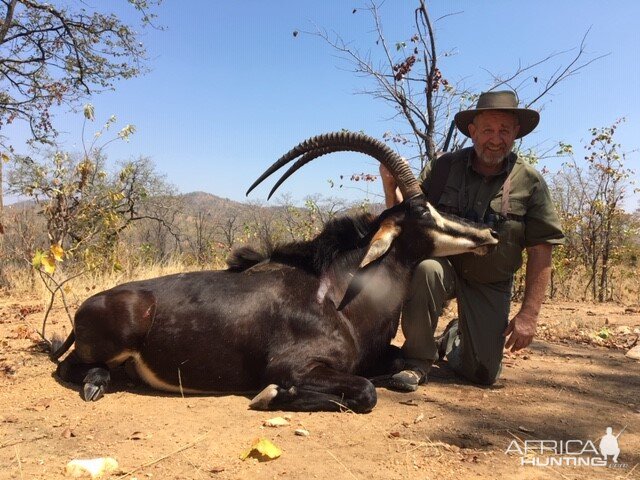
531,219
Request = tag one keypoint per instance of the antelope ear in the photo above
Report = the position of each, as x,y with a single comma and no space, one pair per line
381,241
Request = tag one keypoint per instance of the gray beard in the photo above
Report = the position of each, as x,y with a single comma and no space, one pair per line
492,160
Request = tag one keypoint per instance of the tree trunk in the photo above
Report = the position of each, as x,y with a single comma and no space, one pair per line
602,289
604,272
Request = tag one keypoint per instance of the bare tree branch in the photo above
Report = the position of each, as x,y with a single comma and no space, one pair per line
52,55
410,81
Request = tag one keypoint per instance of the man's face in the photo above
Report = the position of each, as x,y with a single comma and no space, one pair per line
493,133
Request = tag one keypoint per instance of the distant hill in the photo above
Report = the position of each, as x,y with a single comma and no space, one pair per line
204,200
193,203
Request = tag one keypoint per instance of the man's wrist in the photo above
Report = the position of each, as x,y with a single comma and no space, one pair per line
529,313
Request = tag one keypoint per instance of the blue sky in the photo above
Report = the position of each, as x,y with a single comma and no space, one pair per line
231,89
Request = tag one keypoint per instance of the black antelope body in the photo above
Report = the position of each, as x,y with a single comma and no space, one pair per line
304,326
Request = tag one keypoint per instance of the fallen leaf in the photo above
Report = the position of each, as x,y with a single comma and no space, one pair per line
8,370
41,405
263,450
276,422
95,467
22,332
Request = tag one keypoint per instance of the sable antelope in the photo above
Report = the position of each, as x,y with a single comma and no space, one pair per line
304,325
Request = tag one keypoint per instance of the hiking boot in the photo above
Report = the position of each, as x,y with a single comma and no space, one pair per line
408,380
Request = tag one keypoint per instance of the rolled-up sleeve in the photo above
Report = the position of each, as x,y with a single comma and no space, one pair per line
542,224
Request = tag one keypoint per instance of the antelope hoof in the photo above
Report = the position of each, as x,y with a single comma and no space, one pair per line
92,393
262,400
95,383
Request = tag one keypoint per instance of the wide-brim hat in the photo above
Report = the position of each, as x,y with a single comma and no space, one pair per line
505,100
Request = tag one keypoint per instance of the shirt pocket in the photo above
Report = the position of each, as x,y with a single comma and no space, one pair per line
512,229
516,206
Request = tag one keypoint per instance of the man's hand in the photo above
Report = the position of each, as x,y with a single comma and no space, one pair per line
387,178
392,195
522,327
521,330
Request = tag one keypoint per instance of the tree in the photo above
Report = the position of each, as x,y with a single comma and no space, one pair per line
407,75
305,223
229,229
199,238
57,52
589,200
86,207
52,53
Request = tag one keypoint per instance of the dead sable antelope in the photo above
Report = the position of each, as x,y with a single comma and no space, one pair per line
304,325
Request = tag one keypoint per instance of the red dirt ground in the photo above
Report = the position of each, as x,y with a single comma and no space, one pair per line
564,387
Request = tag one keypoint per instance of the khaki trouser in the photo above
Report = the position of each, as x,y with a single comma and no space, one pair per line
475,344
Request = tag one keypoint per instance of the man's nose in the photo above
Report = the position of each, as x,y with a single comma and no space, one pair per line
496,140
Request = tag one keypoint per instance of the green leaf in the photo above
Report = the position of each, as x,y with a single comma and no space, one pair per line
36,261
49,264
45,260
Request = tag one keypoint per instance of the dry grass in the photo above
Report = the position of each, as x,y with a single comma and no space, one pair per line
572,285
26,283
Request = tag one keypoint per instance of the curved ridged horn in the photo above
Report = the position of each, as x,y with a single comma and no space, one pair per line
319,145
303,160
